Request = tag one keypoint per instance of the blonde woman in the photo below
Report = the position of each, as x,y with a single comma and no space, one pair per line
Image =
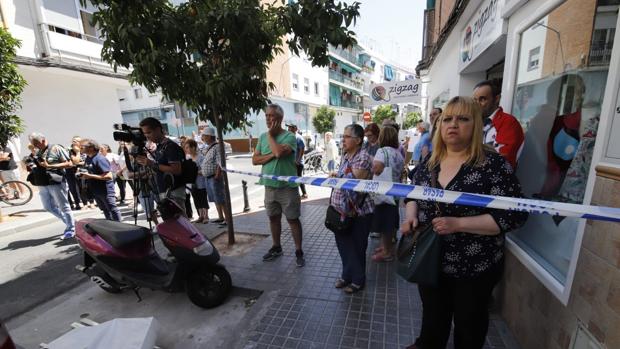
472,237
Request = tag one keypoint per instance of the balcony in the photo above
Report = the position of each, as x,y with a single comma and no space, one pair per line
350,55
600,56
345,81
428,33
345,104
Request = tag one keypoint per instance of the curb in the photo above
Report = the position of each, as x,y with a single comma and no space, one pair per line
29,224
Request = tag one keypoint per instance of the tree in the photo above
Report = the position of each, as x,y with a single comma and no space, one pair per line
324,120
383,112
411,120
11,86
213,55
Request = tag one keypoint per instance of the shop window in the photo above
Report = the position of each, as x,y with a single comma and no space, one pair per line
534,59
295,82
557,100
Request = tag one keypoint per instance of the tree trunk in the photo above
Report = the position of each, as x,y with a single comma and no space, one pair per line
227,207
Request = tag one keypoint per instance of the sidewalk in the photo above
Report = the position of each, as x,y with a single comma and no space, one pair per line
308,312
297,308
21,218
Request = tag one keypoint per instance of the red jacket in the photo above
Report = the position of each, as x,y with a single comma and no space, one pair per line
505,134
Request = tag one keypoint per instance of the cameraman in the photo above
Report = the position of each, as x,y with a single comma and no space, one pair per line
47,172
99,179
168,157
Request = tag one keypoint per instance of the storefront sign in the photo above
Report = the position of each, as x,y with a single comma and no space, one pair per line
482,30
408,91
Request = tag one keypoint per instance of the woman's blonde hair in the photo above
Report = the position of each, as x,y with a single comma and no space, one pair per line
475,152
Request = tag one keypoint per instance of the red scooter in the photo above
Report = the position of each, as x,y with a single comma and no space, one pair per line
120,256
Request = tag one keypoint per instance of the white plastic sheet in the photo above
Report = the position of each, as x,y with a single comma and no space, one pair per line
134,333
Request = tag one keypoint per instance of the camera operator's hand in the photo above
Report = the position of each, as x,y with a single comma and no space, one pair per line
144,161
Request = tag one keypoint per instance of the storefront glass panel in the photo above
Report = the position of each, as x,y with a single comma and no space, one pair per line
561,76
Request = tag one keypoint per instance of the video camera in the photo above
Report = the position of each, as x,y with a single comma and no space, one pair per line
128,134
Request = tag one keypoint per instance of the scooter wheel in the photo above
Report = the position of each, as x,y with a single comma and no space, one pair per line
208,287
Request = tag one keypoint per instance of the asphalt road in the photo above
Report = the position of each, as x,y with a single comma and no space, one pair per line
37,266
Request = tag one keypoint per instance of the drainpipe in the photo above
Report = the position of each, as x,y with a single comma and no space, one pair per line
37,9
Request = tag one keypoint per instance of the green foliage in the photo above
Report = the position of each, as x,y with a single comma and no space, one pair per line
324,120
383,112
411,120
213,55
11,86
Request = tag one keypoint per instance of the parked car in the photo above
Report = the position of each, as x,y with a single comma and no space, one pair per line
5,339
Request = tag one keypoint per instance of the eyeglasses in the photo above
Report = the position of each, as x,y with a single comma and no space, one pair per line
460,119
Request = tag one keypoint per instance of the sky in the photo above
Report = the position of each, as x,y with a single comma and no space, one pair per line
392,28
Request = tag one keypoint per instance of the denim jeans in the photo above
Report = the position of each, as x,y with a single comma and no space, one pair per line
331,165
352,248
107,204
55,201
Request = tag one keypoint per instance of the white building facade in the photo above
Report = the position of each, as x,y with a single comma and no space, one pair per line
70,90
557,64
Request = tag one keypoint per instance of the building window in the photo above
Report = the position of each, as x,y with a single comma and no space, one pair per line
137,92
558,100
316,89
533,59
295,82
306,85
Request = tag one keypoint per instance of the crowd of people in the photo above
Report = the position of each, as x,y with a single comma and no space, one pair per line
471,146
86,174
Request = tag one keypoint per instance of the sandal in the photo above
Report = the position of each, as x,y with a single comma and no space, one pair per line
379,257
340,283
219,220
352,288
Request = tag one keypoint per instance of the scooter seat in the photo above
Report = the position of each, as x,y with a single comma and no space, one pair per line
116,233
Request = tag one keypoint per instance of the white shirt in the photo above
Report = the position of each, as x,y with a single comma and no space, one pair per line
414,137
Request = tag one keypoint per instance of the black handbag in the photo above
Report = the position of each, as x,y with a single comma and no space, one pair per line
419,253
337,222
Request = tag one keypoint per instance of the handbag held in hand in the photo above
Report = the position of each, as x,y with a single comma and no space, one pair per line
419,253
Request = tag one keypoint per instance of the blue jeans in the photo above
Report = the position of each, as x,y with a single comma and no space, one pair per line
352,248
107,204
55,201
331,165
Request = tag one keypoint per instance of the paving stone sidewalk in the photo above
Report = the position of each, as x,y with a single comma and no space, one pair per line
308,312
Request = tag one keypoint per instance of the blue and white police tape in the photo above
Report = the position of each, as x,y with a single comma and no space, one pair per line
454,197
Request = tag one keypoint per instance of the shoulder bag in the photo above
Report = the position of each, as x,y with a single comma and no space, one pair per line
419,253
385,176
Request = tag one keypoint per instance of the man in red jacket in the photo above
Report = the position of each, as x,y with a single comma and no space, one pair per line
502,131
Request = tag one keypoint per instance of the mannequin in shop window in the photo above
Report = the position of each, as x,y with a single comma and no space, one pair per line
564,142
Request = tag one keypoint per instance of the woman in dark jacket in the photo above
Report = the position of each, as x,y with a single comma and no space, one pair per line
472,237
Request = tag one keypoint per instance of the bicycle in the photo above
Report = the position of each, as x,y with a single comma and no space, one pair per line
15,193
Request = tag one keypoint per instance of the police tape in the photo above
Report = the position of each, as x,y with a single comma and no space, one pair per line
418,192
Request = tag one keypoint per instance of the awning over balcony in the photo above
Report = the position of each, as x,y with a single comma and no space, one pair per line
346,66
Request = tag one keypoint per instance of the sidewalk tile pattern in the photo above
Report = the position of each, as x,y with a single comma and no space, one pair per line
310,313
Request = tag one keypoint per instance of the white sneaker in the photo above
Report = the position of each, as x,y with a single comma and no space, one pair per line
67,235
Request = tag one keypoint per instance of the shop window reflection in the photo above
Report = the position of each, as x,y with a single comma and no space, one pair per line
559,108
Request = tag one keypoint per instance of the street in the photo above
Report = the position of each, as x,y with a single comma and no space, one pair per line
37,266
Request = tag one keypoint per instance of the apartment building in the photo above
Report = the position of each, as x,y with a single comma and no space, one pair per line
70,90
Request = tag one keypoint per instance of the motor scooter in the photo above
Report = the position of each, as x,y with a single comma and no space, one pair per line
119,256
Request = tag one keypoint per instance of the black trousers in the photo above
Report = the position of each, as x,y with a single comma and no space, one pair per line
300,171
463,301
73,192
